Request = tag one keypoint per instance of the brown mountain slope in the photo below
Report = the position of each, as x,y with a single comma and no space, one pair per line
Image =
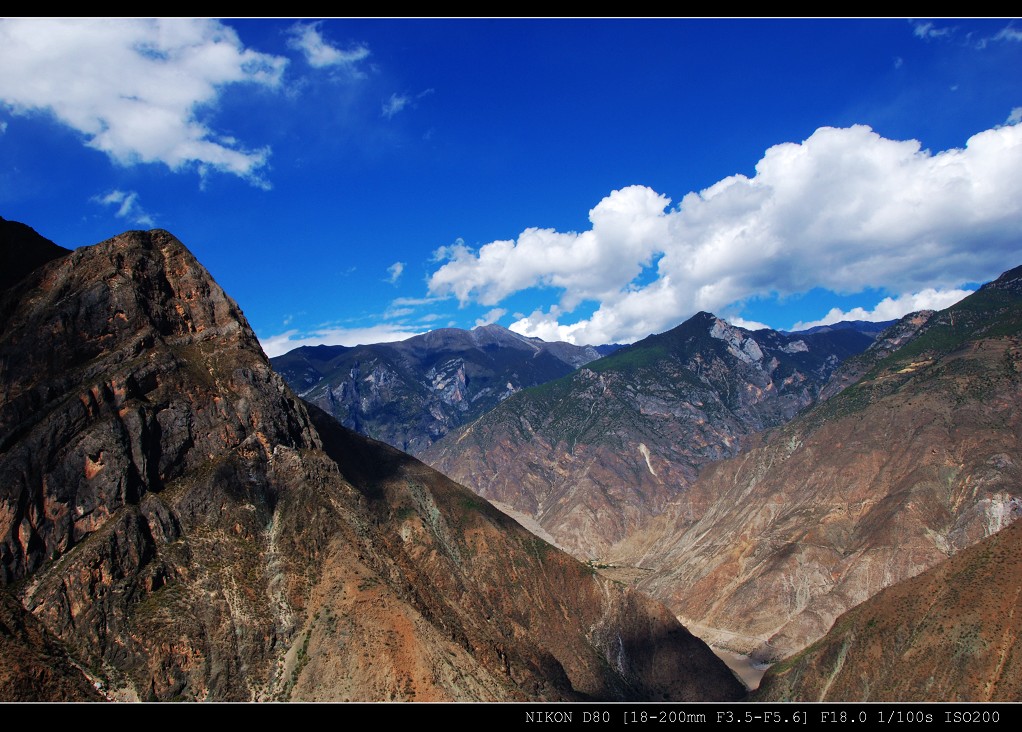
949,634
598,453
917,461
171,513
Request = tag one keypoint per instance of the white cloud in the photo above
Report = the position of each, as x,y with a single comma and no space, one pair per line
276,345
305,37
892,308
1008,33
747,324
395,104
629,226
394,272
844,210
414,301
127,207
491,317
133,87
1015,117
3,127
928,30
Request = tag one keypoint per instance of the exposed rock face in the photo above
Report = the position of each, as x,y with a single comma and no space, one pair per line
915,462
949,634
411,393
173,516
596,454
36,667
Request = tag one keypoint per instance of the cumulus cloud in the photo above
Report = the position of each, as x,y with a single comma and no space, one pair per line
491,317
281,343
1015,117
128,207
629,226
844,210
394,272
306,37
892,308
134,87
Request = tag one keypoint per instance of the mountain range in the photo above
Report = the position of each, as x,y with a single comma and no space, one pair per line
411,393
594,455
177,523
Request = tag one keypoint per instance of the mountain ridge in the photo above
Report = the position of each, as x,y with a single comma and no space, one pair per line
410,393
596,453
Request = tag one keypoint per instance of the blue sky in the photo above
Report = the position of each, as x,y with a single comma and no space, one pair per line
354,180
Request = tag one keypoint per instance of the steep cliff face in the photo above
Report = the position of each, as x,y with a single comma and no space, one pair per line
411,393
915,462
597,454
949,634
178,525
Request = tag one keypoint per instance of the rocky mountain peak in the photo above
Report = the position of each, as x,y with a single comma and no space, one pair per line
411,393
1010,280
912,459
595,454
740,345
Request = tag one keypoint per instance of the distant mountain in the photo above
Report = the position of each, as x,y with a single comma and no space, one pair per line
948,634
597,453
411,393
868,327
176,525
919,459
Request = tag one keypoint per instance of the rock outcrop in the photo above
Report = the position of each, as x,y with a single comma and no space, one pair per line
174,520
